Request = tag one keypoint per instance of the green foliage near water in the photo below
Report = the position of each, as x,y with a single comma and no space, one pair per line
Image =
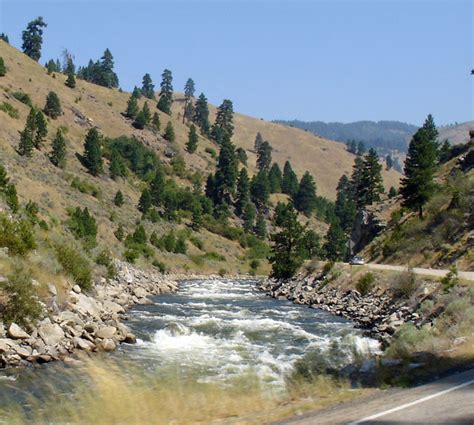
74,263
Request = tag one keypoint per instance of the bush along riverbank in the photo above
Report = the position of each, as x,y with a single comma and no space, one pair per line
78,321
417,320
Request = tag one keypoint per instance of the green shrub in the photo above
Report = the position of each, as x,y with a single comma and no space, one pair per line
222,272
451,279
198,243
83,226
131,255
22,305
120,232
211,152
404,284
328,267
366,283
180,246
84,186
214,256
17,236
254,264
23,98
159,265
75,264
197,259
9,109
105,259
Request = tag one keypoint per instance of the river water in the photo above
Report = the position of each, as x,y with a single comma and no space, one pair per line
216,331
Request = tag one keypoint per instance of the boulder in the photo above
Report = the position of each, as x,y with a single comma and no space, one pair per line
52,289
130,338
140,292
83,344
77,289
87,306
51,334
111,307
108,345
15,332
106,332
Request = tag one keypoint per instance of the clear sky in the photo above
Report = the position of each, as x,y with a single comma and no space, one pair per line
311,60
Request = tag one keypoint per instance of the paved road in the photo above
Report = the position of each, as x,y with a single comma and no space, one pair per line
447,401
420,271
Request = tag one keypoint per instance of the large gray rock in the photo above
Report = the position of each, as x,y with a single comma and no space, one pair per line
107,345
5,345
87,306
83,344
15,332
106,332
51,334
140,292
111,307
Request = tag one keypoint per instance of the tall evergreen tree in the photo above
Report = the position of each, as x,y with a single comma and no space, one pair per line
223,128
41,130
26,145
70,72
132,107
361,149
201,114
145,201
148,88
289,184
70,81
166,92
258,142
5,38
248,216
192,143
264,157
418,185
33,38
226,173
260,190
169,132
189,90
336,242
157,187
92,157
371,183
118,199
117,167
3,69
155,122
356,179
53,106
243,192
345,207
107,77
287,254
305,199
58,151
260,226
275,178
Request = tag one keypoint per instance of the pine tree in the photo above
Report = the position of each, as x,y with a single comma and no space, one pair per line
41,130
155,122
117,168
196,222
189,90
4,179
192,143
11,197
53,106
264,157
132,107
286,252
392,192
361,149
260,226
166,92
356,179
243,192
71,81
211,188
289,184
336,242
118,199
51,66
389,162
145,201
148,88
260,190
248,216
169,133
92,157
241,155
201,114
226,173
418,185
136,93
4,37
33,38
258,142
140,121
371,183
223,128
70,72
275,178
157,187
106,76
3,69
146,113
345,207
58,152
305,199
25,148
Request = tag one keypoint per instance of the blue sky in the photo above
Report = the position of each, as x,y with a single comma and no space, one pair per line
311,60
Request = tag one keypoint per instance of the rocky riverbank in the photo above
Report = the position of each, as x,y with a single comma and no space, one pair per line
76,321
380,313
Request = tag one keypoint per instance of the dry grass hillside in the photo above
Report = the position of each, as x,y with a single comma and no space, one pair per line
456,133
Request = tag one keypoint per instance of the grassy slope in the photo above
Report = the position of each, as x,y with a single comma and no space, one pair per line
457,133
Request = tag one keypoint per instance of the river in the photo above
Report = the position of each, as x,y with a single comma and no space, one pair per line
214,331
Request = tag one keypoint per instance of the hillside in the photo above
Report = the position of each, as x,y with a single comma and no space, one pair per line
445,236
387,136
458,133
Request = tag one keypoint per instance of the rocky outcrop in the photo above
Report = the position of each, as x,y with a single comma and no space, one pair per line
87,322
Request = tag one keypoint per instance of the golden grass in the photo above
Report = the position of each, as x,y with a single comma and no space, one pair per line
114,396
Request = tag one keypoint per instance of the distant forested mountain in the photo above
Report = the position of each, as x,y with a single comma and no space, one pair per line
386,136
